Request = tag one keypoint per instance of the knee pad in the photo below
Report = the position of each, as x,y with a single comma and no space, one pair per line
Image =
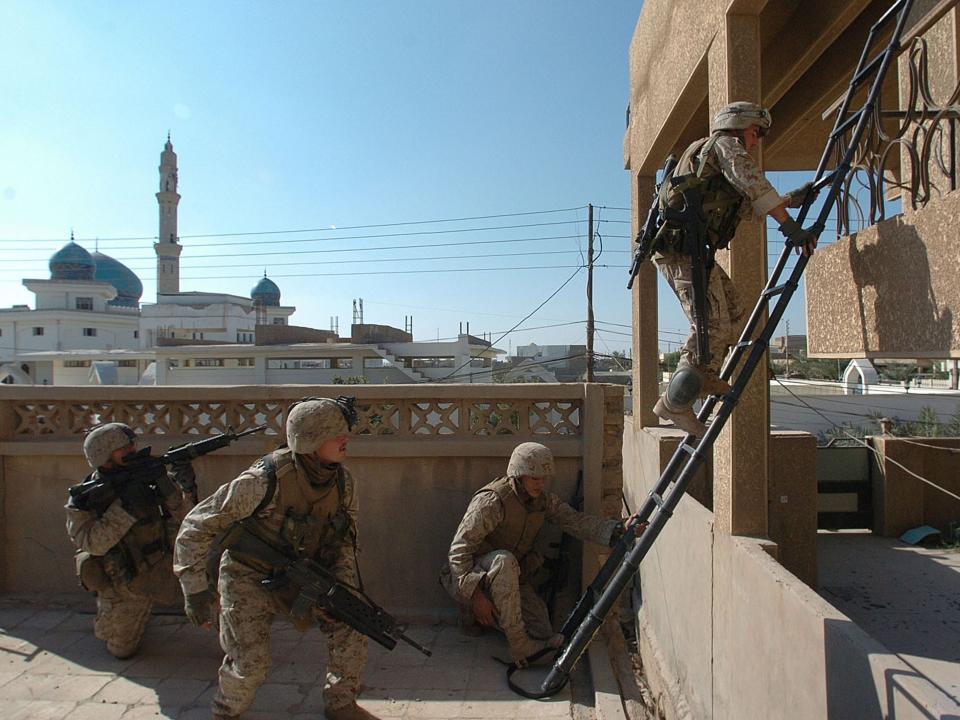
684,386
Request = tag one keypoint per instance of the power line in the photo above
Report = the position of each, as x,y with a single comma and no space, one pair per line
880,457
320,229
528,315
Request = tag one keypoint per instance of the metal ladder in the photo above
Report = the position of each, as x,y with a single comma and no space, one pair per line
625,558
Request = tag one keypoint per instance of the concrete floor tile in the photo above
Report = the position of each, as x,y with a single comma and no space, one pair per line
12,617
45,619
37,710
183,692
298,673
52,688
126,692
97,711
277,697
152,711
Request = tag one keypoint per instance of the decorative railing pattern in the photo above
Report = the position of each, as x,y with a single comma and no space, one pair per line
920,137
461,417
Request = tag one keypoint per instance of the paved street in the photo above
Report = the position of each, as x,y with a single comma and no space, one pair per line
51,666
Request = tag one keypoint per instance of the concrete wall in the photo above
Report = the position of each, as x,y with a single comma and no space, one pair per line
725,631
420,453
901,500
890,290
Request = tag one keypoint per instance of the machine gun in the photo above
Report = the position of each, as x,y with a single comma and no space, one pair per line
651,225
142,473
317,588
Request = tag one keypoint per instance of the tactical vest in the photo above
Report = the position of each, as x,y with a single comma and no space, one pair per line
521,522
721,200
143,559
308,521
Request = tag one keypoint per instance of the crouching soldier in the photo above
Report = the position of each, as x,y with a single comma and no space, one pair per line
123,520
492,559
301,501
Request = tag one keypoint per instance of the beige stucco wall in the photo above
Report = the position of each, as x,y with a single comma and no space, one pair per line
413,483
890,290
902,501
725,631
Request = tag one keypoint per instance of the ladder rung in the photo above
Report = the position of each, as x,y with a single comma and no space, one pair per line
689,449
775,290
867,70
885,18
842,127
744,344
827,179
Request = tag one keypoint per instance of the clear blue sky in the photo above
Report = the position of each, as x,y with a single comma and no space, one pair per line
327,116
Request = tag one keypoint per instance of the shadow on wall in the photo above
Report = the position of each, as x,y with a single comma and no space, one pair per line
906,314
849,678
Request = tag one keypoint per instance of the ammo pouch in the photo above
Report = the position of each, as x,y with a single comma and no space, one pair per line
91,572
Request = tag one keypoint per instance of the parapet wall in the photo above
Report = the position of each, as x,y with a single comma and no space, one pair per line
419,454
726,631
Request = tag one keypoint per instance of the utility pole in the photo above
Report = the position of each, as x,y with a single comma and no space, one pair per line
589,293
786,348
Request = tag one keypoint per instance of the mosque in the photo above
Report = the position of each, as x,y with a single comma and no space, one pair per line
92,301
89,326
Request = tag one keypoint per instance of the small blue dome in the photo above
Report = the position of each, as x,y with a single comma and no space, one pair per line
266,292
71,262
128,285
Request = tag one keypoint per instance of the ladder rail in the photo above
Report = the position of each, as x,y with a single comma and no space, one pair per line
660,503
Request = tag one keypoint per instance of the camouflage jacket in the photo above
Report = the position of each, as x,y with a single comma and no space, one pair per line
236,501
729,157
485,512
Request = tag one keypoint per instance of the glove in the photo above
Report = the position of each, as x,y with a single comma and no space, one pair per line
803,240
201,608
798,195
182,473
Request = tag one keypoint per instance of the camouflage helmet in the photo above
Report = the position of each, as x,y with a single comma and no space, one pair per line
741,115
531,459
313,421
100,442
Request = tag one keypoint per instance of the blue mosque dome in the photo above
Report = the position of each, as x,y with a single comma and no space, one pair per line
71,262
128,285
266,292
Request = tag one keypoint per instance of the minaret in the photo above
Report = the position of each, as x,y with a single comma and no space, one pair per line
168,247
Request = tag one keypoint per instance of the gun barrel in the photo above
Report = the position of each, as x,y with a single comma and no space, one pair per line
258,428
414,644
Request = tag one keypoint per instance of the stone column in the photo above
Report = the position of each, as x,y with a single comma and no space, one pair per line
646,355
740,452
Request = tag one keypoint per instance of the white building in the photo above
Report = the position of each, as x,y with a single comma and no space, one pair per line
88,327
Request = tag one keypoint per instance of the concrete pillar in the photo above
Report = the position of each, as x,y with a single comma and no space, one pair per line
260,369
740,453
646,356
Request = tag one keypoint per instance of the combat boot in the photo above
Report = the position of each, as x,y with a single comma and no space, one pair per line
522,646
684,419
348,712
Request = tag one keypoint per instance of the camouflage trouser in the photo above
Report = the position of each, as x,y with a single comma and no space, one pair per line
517,604
724,313
121,619
246,611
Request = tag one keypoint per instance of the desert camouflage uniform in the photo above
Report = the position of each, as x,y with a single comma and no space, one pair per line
124,609
728,157
246,607
504,575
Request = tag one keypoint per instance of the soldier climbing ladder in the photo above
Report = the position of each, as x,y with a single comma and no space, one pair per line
624,560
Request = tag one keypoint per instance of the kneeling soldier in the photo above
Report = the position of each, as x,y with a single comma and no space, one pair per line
123,520
492,559
302,501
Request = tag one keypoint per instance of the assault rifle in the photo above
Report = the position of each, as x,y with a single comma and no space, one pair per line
142,473
651,225
316,587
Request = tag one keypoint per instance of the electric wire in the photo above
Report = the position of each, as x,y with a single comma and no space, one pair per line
880,456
